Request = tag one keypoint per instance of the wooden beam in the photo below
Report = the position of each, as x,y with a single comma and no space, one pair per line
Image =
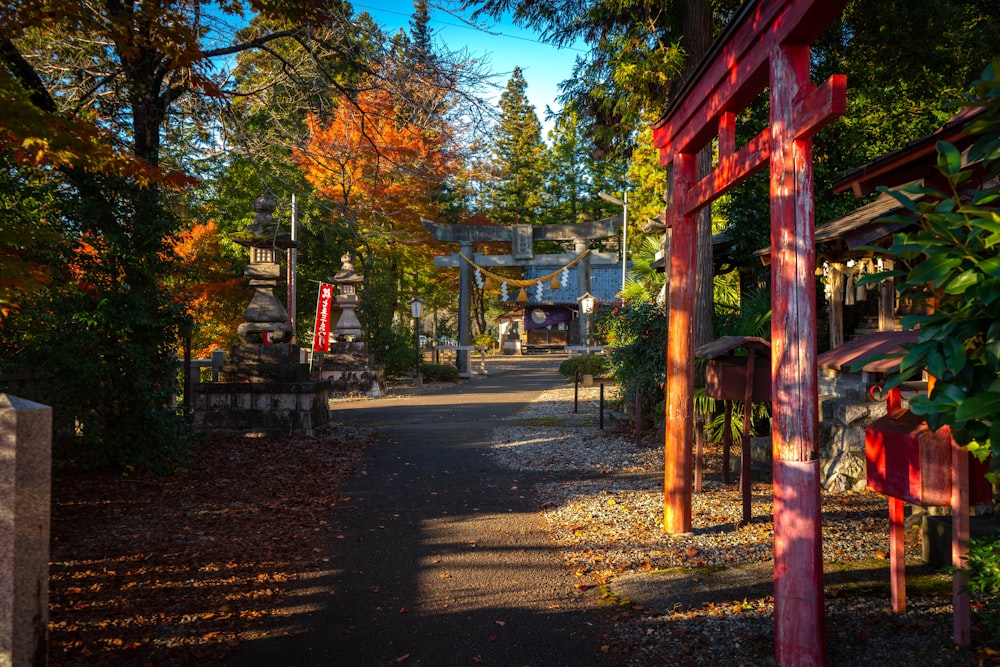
597,259
594,229
738,72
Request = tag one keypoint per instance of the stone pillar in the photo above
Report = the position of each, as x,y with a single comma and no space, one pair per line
464,310
25,470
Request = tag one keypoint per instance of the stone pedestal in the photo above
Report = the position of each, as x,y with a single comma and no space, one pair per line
25,474
267,408
262,389
351,372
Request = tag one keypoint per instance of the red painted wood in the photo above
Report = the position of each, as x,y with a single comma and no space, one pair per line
795,421
907,460
731,171
754,56
897,555
740,71
798,566
680,353
962,620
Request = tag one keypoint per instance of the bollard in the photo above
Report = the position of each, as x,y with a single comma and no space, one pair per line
699,454
600,421
638,420
576,390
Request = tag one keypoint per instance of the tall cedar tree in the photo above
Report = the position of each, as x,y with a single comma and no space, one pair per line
514,195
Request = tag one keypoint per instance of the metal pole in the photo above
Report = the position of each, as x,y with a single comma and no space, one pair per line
292,268
576,390
624,242
600,419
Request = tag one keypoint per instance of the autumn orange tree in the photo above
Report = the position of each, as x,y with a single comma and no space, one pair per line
380,171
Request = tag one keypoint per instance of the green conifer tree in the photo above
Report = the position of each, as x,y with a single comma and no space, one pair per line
515,193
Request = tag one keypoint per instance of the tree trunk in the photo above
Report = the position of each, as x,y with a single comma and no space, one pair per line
696,31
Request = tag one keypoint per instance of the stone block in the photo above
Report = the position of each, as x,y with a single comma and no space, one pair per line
25,498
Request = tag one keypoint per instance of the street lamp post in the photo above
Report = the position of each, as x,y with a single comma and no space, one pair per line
416,310
588,303
624,204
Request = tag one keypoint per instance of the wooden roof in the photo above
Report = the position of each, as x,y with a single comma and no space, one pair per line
909,163
871,345
841,237
726,344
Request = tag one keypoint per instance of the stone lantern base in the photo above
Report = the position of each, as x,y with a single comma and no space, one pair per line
262,389
351,372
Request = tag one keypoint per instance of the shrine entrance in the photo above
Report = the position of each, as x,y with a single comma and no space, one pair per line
765,48
548,267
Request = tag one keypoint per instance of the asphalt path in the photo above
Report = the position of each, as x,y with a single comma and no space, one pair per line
440,557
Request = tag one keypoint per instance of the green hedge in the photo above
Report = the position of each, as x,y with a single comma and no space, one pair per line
439,373
569,367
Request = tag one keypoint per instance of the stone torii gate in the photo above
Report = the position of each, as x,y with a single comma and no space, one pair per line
522,239
766,46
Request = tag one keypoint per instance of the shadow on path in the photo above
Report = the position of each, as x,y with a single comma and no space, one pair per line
439,557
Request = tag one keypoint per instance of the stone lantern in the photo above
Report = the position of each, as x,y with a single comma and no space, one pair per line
265,385
266,319
347,365
348,329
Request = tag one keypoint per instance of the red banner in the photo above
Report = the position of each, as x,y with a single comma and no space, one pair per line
321,333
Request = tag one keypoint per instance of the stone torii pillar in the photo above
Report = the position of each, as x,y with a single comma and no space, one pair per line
522,240
766,46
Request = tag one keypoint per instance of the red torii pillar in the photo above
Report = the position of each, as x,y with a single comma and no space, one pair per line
765,46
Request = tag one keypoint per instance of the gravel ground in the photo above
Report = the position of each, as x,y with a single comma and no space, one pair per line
707,598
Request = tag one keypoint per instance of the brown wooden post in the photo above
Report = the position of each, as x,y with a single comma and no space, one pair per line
798,555
962,620
886,301
727,442
699,454
680,353
836,279
746,482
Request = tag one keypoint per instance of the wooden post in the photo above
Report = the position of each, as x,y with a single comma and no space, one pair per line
836,305
727,442
897,555
960,540
638,420
699,454
746,482
680,353
886,301
798,555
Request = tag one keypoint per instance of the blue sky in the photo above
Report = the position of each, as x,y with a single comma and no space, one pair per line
504,47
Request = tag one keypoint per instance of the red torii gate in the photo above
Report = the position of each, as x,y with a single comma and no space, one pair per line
765,46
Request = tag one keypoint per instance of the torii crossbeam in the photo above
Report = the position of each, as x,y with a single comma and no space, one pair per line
765,46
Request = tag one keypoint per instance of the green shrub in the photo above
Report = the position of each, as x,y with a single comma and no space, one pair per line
983,579
439,373
598,364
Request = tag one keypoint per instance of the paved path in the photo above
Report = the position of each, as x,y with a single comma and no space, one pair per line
445,558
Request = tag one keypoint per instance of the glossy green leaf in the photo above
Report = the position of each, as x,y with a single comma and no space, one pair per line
949,158
981,406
